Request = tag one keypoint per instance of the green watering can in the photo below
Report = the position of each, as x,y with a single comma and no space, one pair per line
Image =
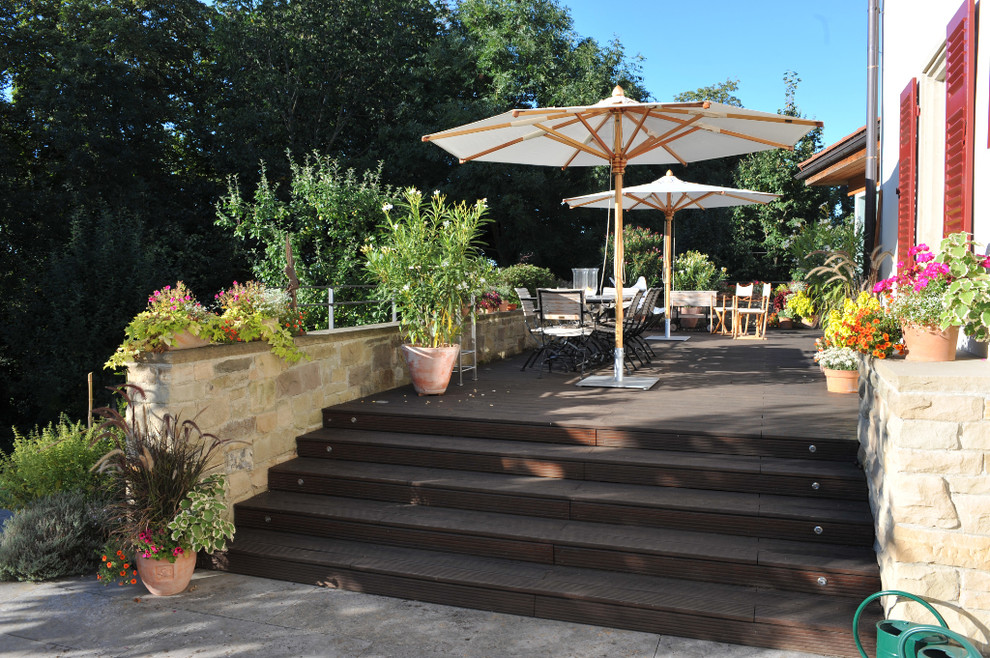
891,633
966,650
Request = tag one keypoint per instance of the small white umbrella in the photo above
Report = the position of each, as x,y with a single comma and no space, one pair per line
616,131
670,194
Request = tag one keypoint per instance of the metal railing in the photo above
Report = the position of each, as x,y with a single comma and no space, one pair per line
331,303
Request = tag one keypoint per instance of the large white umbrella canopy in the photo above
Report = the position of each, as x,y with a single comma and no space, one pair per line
616,131
669,195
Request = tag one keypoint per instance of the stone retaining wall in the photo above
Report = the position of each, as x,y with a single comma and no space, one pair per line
925,445
243,392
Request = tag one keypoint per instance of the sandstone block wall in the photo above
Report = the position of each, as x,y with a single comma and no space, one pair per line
243,392
925,445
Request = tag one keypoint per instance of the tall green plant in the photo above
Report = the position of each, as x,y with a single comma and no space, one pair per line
694,271
429,261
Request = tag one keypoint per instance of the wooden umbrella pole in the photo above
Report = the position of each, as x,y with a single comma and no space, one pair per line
619,256
668,258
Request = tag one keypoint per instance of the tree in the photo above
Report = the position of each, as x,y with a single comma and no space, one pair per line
766,230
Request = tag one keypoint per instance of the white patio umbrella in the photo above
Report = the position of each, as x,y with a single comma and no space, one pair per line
616,131
669,195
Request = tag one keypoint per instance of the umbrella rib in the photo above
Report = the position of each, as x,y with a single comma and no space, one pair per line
491,150
643,201
751,200
686,201
594,134
780,118
660,140
639,126
564,139
576,152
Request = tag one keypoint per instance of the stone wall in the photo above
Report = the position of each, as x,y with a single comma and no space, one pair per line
925,445
243,392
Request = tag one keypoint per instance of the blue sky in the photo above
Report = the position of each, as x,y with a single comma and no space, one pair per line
687,45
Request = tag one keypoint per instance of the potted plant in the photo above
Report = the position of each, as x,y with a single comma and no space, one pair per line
933,297
864,325
841,368
430,263
693,270
254,311
799,305
167,506
173,319
489,302
967,299
784,319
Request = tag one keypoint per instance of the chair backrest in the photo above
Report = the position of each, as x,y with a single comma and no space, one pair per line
523,293
561,305
744,291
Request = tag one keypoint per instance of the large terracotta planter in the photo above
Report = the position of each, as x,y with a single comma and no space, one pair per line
841,381
430,367
925,344
164,578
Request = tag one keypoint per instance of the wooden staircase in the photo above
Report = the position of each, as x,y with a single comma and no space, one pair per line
747,540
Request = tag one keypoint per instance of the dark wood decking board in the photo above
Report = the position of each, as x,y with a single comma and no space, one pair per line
720,612
710,385
842,479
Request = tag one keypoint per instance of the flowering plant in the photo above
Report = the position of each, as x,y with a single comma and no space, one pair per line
916,292
863,325
489,301
798,303
429,264
170,311
116,566
838,358
166,504
253,311
693,270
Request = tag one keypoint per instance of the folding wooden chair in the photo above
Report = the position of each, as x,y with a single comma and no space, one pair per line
745,307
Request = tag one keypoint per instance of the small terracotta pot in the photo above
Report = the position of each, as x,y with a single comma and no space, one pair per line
927,344
785,323
430,367
842,381
164,578
185,341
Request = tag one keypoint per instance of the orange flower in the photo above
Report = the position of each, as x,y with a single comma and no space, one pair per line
123,573
104,558
133,581
127,566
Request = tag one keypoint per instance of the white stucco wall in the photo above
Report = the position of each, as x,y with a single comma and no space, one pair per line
913,31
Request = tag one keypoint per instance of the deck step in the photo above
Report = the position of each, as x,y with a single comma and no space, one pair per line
745,473
786,565
760,515
702,440
712,611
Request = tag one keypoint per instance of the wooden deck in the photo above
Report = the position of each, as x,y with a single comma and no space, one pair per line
708,384
725,503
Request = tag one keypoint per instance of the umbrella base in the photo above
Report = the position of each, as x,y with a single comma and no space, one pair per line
609,381
668,338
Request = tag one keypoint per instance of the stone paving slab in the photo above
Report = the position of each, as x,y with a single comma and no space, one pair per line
226,614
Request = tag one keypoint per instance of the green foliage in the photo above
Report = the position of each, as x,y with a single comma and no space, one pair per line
327,215
55,459
693,270
53,537
643,251
524,275
252,311
800,305
201,524
428,261
967,299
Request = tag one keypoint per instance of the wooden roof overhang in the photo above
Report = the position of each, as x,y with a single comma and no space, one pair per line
841,163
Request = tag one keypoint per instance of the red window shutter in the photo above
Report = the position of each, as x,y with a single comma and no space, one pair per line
960,86
907,181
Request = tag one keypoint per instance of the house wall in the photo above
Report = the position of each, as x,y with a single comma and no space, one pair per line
243,392
925,445
913,32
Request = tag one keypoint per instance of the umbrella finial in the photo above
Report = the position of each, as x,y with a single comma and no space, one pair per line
670,173
618,91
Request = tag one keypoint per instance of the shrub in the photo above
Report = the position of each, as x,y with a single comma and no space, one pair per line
523,275
53,537
50,460
694,271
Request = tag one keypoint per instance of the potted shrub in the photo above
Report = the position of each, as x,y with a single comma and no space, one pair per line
864,325
799,305
167,504
429,263
933,297
693,270
173,319
489,302
841,368
784,319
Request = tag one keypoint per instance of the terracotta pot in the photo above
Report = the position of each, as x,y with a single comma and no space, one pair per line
842,381
430,367
785,323
164,578
924,344
506,306
186,341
